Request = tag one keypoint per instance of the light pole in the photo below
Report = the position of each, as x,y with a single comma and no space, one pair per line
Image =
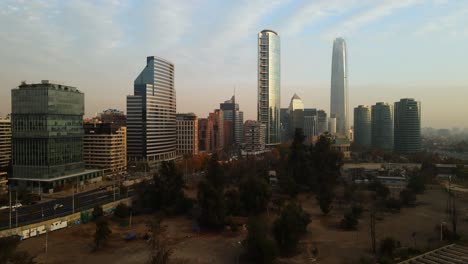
9,191
16,208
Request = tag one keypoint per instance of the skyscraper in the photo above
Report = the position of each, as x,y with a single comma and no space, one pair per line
151,114
296,114
339,86
232,114
382,126
407,126
362,125
47,136
254,137
187,134
268,106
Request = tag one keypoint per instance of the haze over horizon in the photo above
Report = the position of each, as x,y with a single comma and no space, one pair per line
396,49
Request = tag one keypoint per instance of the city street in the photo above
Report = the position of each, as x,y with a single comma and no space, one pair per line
60,207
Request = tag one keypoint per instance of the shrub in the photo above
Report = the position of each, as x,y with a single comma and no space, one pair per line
122,210
97,212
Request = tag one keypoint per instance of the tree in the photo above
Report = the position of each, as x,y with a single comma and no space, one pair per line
159,250
288,228
408,197
380,189
7,248
416,183
232,202
325,198
122,210
102,232
325,163
259,246
388,246
214,172
167,192
298,163
97,212
211,201
349,221
255,194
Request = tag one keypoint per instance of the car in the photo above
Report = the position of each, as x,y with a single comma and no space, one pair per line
57,206
4,207
17,205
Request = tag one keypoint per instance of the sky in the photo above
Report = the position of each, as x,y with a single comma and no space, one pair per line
396,49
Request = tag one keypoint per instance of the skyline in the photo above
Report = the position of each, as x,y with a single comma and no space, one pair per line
397,49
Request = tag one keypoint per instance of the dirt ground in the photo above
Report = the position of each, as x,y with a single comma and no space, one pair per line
75,244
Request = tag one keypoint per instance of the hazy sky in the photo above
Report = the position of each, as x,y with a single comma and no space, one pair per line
396,49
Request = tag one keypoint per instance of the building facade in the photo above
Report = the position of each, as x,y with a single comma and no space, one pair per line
382,126
151,114
113,116
407,126
187,134
47,135
322,122
339,86
310,124
269,73
232,114
5,153
254,137
105,147
362,125
332,125
296,114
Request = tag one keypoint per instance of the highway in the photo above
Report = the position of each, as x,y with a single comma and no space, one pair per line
28,214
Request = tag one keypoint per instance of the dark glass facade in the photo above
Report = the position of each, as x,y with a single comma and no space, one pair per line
382,126
407,126
47,131
362,125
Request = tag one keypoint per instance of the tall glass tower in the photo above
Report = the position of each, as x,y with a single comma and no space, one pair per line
382,126
407,126
268,106
151,114
362,125
339,86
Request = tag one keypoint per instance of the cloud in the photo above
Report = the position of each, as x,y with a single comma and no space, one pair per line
450,23
368,15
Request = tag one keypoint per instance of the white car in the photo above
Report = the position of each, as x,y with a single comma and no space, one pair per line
18,205
4,207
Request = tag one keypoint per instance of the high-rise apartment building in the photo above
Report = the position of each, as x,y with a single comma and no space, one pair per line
5,153
187,134
5,144
362,125
217,136
407,126
339,86
205,129
47,135
254,137
382,126
105,147
232,114
151,114
113,116
268,105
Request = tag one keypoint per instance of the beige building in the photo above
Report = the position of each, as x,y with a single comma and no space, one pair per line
187,134
105,147
254,137
5,152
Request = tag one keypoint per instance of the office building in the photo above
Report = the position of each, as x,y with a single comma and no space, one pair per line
382,126
322,122
205,129
187,134
339,86
310,124
332,125
268,106
105,148
284,125
217,135
296,114
407,126
254,137
234,131
113,116
151,114
362,126
47,136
